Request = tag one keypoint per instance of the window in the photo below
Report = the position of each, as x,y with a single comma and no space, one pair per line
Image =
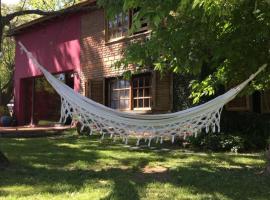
144,23
120,94
120,25
125,94
141,92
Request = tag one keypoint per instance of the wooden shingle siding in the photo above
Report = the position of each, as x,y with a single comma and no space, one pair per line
97,90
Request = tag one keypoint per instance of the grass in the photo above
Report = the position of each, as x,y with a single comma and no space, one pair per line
76,167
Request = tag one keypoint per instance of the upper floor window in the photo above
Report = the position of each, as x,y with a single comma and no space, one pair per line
144,23
119,26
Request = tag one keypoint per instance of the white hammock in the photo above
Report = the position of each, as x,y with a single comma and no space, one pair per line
98,117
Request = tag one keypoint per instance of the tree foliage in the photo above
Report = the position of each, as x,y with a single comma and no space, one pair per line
52,5
217,41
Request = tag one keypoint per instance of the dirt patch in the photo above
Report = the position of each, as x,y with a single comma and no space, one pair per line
157,173
156,169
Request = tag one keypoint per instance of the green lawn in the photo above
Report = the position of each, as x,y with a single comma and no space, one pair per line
73,167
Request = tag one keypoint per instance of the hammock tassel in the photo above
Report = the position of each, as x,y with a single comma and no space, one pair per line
173,136
138,142
149,143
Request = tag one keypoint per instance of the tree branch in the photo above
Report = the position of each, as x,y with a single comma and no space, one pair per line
6,19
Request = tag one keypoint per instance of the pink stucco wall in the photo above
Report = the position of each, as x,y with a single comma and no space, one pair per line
56,45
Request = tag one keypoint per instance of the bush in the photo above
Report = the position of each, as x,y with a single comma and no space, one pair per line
4,111
217,142
252,127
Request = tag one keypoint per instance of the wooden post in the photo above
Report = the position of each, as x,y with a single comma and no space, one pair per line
32,123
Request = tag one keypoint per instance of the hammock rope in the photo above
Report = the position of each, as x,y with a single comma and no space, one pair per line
105,120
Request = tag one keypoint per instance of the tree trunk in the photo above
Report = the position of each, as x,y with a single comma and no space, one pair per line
1,29
3,161
6,92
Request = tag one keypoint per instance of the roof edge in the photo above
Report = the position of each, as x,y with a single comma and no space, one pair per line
88,5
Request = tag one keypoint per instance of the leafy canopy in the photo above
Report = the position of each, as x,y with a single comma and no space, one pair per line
217,41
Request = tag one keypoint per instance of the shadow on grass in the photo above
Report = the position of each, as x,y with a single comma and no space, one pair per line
41,164
198,178
236,183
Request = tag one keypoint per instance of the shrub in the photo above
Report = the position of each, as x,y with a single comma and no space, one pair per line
4,111
252,127
217,142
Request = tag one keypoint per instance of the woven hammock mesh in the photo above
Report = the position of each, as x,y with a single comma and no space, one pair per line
99,118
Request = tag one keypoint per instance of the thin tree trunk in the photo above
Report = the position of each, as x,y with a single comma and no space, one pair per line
3,159
1,29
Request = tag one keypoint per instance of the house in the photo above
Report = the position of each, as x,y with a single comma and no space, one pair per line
80,49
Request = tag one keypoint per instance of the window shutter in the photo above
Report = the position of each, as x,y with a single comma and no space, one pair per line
96,89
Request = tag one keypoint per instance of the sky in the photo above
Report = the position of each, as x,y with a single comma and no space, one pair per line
10,1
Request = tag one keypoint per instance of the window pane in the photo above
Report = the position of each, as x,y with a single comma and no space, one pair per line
135,93
123,94
141,103
127,103
135,103
114,95
141,82
140,92
146,92
113,85
124,104
135,83
147,82
146,103
122,83
126,93
114,104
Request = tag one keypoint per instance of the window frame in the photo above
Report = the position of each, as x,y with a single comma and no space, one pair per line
130,17
131,95
118,89
138,88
